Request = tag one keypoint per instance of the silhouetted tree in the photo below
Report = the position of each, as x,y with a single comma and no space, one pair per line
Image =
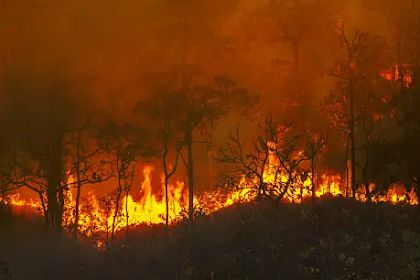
126,146
41,152
198,105
313,148
358,71
407,103
87,163
270,168
164,109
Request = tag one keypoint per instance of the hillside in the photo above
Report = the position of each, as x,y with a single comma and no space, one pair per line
339,239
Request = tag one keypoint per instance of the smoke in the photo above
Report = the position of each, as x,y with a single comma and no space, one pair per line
104,48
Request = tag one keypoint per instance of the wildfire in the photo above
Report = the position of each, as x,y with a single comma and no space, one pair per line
97,215
394,75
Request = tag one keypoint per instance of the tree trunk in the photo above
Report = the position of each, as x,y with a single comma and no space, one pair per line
352,140
61,207
55,200
117,200
55,195
79,189
126,214
167,203
44,208
366,183
51,205
76,210
365,175
189,140
114,218
166,183
313,178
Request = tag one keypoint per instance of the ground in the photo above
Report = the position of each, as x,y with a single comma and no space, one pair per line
335,239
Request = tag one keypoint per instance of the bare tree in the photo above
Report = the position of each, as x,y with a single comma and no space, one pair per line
163,108
314,144
88,164
350,48
270,169
369,116
166,134
46,114
364,57
126,146
8,168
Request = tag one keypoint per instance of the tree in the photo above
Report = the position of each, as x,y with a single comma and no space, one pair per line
357,71
270,169
43,152
407,115
87,163
197,105
191,31
403,21
405,99
294,22
163,108
288,28
314,144
8,168
126,146
370,113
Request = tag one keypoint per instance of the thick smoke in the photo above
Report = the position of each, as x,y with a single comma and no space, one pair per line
101,50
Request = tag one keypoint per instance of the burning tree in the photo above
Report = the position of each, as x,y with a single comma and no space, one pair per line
53,147
270,169
406,98
126,146
164,109
87,163
407,114
196,105
356,97
8,178
41,152
312,150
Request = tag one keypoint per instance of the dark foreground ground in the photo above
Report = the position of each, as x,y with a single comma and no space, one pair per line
338,239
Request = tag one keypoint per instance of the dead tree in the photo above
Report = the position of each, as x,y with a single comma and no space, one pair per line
87,165
8,182
367,124
315,143
167,136
358,73
350,47
126,146
272,158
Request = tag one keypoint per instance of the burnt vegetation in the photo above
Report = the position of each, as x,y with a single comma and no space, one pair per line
295,126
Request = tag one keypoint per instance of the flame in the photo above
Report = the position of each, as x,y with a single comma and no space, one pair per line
393,74
97,215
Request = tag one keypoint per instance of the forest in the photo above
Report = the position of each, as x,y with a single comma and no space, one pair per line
209,139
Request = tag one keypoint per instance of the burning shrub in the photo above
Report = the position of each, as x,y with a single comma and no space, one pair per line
274,168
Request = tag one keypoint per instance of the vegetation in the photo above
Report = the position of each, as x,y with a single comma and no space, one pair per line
335,239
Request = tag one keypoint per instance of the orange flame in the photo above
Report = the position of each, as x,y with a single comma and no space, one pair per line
97,215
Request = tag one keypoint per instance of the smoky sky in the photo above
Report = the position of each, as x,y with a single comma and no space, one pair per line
103,49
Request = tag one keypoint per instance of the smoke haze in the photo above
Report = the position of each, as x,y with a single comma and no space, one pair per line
103,50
